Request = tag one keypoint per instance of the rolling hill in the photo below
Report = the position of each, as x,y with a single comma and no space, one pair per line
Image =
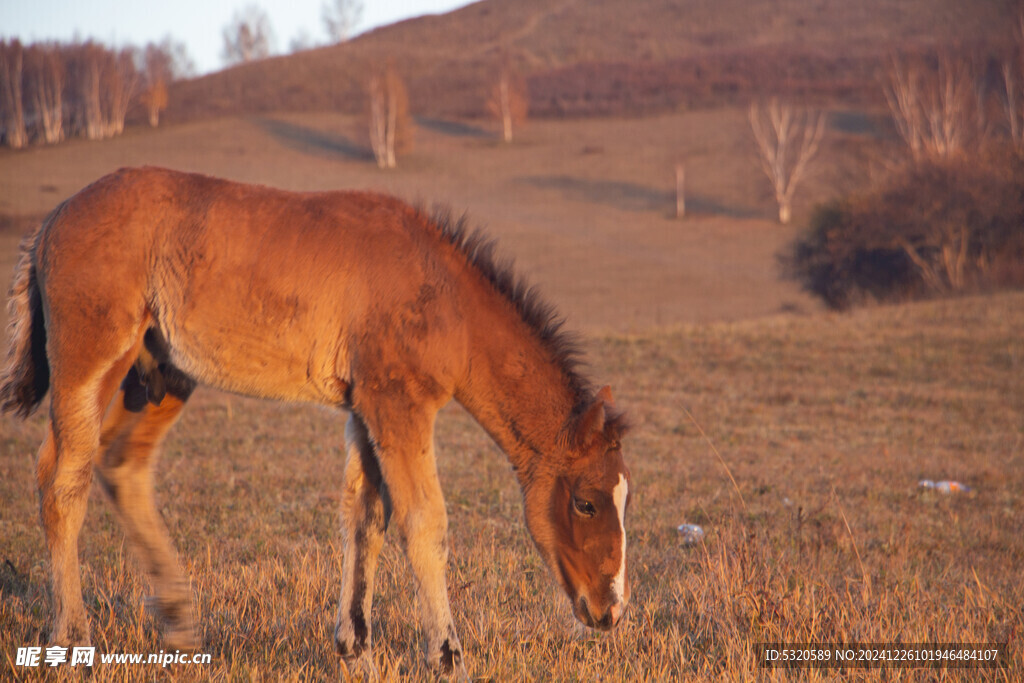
610,56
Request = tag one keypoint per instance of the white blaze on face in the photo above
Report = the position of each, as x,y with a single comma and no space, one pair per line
619,494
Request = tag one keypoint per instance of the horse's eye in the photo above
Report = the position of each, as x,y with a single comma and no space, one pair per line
583,507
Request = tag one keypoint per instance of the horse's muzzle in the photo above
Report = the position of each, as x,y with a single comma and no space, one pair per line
603,622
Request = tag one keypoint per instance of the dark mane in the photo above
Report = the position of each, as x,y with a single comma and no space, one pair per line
547,324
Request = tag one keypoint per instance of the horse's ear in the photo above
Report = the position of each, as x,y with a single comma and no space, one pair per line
605,394
591,423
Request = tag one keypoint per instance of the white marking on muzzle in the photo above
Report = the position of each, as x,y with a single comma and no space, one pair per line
619,494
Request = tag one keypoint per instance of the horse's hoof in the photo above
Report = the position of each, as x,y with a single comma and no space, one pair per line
361,668
177,624
448,662
458,674
181,637
71,634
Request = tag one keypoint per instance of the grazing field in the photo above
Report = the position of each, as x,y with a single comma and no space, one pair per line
826,423
794,437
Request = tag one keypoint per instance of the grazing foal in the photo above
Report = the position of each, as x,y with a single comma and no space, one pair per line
150,281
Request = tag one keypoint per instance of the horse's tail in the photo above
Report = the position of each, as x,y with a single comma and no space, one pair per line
26,379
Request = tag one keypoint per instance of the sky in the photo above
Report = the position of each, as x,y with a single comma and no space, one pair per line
196,23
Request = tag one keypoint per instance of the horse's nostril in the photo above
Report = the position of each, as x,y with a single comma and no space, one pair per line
616,612
583,607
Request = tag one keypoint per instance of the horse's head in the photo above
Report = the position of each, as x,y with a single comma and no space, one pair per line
576,514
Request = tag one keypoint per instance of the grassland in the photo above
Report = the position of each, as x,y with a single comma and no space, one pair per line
794,437
826,423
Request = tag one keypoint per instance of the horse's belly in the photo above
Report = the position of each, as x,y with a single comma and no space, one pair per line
261,358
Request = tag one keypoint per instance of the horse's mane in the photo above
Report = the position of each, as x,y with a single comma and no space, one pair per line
540,316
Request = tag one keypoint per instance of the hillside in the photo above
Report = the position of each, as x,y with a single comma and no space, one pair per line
609,56
585,207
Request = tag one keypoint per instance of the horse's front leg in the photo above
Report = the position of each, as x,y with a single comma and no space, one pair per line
365,510
404,438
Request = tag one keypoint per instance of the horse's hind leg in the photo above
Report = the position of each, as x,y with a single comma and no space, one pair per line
365,510
83,384
129,444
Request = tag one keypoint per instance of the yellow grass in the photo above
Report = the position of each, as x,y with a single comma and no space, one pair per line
825,422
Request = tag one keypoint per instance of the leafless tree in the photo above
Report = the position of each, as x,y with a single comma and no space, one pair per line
181,63
120,79
390,124
936,108
11,104
787,140
102,82
680,190
1013,104
157,73
44,83
509,101
248,37
340,18
301,42
1013,81
84,64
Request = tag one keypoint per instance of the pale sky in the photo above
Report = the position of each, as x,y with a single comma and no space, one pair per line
196,23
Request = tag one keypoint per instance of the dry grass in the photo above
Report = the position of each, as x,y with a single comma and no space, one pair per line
826,422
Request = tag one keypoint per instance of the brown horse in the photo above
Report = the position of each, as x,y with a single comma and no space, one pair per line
150,281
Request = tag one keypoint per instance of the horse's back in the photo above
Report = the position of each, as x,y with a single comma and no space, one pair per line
254,289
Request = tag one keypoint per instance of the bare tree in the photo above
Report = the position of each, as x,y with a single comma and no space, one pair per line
340,18
84,63
1013,104
102,83
45,89
509,101
11,104
787,140
936,108
248,37
119,82
181,62
1013,80
390,124
301,42
157,73
680,189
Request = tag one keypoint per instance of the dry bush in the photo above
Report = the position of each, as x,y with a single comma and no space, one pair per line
708,80
389,121
927,228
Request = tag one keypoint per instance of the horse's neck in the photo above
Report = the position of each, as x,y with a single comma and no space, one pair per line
514,389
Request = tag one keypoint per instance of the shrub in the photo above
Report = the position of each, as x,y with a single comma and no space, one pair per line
929,228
